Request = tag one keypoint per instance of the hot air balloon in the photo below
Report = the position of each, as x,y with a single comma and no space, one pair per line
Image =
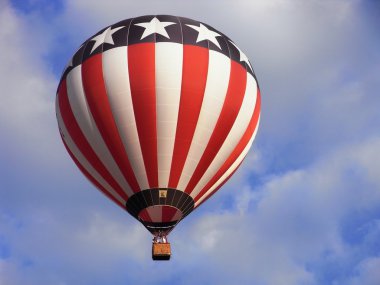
158,112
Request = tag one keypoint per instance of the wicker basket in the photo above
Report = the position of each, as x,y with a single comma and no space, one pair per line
161,251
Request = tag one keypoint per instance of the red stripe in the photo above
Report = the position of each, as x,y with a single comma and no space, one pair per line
96,95
194,77
238,149
231,106
168,213
144,215
141,64
91,178
81,142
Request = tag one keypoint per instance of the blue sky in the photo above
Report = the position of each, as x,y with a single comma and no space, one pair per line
304,208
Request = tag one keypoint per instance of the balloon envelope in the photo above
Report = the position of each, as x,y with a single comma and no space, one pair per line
158,112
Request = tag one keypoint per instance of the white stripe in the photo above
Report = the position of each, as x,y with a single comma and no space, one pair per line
215,92
231,169
83,116
82,160
168,67
155,213
116,78
239,127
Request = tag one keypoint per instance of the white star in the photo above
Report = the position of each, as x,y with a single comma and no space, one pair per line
206,34
69,64
243,57
105,37
155,27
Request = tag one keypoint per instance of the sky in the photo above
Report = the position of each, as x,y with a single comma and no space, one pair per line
303,209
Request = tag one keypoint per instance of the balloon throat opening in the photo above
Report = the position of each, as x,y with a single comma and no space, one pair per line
160,209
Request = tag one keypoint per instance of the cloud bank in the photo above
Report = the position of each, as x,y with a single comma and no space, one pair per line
303,209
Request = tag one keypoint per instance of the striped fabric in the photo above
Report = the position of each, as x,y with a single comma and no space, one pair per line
158,112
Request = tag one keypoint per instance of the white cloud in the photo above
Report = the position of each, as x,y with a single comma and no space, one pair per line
27,94
367,272
8,273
